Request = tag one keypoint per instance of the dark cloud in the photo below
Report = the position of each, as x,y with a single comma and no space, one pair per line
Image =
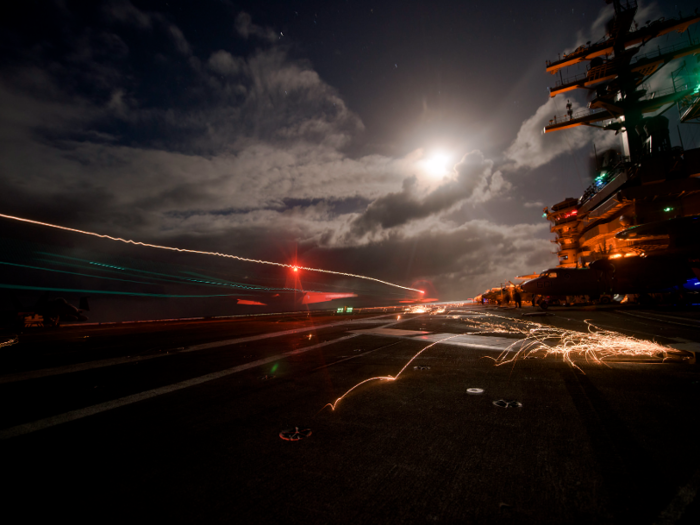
125,12
459,261
246,28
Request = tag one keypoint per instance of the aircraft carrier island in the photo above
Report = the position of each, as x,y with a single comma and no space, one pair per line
637,226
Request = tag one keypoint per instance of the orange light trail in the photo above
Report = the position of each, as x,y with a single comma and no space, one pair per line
12,341
387,378
199,252
596,345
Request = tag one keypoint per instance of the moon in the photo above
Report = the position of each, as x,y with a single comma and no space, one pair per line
437,164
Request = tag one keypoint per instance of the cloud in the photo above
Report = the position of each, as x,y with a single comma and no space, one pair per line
236,101
473,178
224,63
533,148
597,29
180,41
536,204
238,154
246,28
459,261
125,12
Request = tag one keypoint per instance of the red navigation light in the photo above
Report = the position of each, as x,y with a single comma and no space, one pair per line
295,269
421,291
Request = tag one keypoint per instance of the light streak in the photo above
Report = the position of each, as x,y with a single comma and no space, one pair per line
158,276
106,292
201,252
10,342
595,345
387,378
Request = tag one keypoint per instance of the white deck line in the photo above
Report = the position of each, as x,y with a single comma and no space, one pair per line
479,342
73,415
90,365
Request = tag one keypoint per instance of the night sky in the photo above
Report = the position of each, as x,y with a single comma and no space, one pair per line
400,140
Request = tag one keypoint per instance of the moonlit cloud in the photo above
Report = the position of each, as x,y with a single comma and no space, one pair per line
645,11
473,179
533,148
246,28
245,146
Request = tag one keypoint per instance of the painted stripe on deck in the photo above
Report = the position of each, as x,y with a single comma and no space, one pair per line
90,365
73,415
480,342
390,332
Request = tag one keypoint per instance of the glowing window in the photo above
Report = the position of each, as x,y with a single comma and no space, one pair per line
552,275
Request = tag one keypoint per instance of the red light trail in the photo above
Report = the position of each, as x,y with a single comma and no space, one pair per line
294,267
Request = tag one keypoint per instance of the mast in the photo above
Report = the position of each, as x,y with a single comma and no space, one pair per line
618,66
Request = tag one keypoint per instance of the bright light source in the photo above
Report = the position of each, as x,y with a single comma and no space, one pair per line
668,209
295,269
421,291
616,256
437,165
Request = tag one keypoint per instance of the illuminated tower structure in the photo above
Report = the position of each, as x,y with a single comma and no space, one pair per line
650,181
564,217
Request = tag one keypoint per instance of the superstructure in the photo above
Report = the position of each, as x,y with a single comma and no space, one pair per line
649,181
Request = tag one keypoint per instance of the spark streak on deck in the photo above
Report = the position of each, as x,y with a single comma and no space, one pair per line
199,252
596,345
387,378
